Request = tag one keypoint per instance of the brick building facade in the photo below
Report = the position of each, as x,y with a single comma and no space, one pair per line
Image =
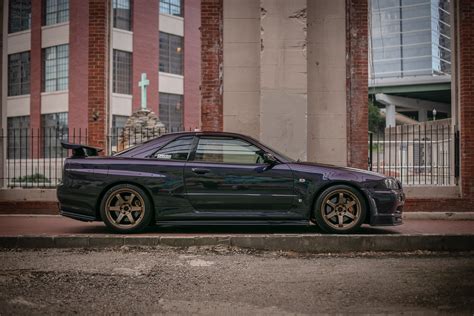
293,74
84,59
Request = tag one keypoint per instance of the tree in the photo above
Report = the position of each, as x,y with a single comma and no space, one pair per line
376,121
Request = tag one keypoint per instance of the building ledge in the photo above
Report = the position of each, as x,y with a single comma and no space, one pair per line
10,35
53,26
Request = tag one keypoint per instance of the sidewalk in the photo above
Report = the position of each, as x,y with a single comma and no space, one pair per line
15,225
53,231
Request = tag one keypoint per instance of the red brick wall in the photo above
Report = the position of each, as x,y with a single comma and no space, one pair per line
212,61
466,77
357,82
35,75
98,69
192,64
78,73
466,106
145,51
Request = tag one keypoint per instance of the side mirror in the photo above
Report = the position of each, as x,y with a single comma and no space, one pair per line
269,159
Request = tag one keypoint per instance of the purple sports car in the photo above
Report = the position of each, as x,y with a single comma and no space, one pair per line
211,178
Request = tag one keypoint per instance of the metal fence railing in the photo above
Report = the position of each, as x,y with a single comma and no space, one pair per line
420,154
34,158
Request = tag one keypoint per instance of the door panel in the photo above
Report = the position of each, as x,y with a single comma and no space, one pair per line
227,176
239,188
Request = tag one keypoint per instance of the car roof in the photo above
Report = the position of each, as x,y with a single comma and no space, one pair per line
208,133
144,147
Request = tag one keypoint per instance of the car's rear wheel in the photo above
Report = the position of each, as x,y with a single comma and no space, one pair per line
126,208
340,209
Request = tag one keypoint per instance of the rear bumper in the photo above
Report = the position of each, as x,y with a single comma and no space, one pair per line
386,207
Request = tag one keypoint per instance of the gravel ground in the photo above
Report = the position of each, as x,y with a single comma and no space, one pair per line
219,280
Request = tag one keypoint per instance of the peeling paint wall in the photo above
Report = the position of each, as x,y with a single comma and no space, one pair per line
283,77
242,66
327,111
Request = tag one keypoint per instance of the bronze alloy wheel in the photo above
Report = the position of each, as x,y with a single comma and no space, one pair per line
125,208
341,209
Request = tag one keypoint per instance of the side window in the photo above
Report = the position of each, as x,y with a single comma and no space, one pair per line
176,150
227,150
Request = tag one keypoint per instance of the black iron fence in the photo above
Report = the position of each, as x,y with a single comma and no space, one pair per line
34,158
420,154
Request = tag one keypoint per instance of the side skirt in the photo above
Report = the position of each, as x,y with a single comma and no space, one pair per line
235,223
80,217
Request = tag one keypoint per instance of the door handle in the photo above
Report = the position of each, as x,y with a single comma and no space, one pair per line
200,170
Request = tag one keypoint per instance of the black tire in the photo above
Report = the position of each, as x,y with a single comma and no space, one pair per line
331,208
120,206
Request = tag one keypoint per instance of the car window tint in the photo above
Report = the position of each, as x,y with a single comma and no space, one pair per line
176,150
227,150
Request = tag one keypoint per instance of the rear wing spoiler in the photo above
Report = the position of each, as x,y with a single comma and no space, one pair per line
79,150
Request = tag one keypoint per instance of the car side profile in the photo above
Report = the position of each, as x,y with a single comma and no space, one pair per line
211,178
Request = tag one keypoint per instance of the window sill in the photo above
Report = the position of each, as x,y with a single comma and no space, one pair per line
54,92
168,74
19,33
122,95
52,26
179,18
15,97
123,31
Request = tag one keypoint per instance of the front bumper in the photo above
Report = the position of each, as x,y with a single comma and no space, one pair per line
386,207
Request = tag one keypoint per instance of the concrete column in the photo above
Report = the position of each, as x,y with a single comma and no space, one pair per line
242,66
283,76
422,115
390,113
327,109
192,65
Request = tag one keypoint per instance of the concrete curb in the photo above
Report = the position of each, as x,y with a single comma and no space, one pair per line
298,243
456,216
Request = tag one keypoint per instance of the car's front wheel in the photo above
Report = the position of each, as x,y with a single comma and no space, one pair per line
340,209
126,208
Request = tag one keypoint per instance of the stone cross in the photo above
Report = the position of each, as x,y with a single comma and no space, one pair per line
143,83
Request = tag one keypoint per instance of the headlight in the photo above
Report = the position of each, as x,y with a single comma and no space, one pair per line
391,184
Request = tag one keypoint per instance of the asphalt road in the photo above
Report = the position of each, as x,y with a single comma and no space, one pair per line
222,280
13,225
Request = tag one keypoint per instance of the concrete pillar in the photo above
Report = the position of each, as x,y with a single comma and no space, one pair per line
192,65
327,109
422,115
242,67
283,76
390,113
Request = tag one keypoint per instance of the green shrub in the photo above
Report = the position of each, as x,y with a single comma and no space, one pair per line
35,178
